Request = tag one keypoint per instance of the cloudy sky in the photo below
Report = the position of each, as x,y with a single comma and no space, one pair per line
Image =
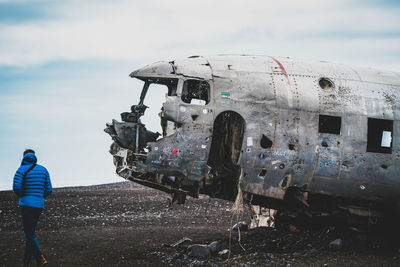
64,65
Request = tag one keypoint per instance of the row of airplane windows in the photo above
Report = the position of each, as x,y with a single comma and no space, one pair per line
379,132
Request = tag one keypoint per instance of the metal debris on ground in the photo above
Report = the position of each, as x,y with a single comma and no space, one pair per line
177,243
262,217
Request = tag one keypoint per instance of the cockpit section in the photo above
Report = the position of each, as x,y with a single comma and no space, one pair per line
175,160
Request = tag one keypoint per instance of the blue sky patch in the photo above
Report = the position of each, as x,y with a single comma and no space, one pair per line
380,3
17,12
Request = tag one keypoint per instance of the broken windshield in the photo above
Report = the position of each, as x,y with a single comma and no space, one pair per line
153,95
170,83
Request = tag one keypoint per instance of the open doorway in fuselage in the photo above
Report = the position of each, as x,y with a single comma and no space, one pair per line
225,152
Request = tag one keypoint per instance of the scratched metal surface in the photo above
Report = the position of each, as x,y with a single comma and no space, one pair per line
359,93
281,98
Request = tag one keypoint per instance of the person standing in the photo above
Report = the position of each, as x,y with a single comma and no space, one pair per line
31,184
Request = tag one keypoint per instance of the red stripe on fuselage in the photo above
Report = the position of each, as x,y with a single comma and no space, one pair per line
282,68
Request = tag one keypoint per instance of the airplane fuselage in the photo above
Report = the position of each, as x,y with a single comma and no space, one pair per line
287,131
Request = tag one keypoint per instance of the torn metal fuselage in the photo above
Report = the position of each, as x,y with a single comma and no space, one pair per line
302,133
177,162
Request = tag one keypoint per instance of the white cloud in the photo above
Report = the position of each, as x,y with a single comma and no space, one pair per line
125,30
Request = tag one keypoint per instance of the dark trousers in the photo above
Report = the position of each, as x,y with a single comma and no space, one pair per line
30,217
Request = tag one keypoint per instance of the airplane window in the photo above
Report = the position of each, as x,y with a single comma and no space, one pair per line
326,84
195,92
380,136
329,124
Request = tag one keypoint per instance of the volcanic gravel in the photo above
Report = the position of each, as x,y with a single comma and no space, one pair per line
125,224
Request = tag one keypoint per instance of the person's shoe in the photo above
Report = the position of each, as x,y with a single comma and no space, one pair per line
41,261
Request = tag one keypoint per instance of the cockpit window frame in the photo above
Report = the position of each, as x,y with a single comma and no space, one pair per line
169,85
180,90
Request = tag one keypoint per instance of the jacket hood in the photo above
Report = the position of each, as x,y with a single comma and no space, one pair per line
29,159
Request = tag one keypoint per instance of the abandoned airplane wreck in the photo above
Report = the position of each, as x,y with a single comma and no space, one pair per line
309,137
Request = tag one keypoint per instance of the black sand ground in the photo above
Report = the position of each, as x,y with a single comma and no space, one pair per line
128,225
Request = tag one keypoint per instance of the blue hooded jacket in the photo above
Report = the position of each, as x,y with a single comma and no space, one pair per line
37,183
